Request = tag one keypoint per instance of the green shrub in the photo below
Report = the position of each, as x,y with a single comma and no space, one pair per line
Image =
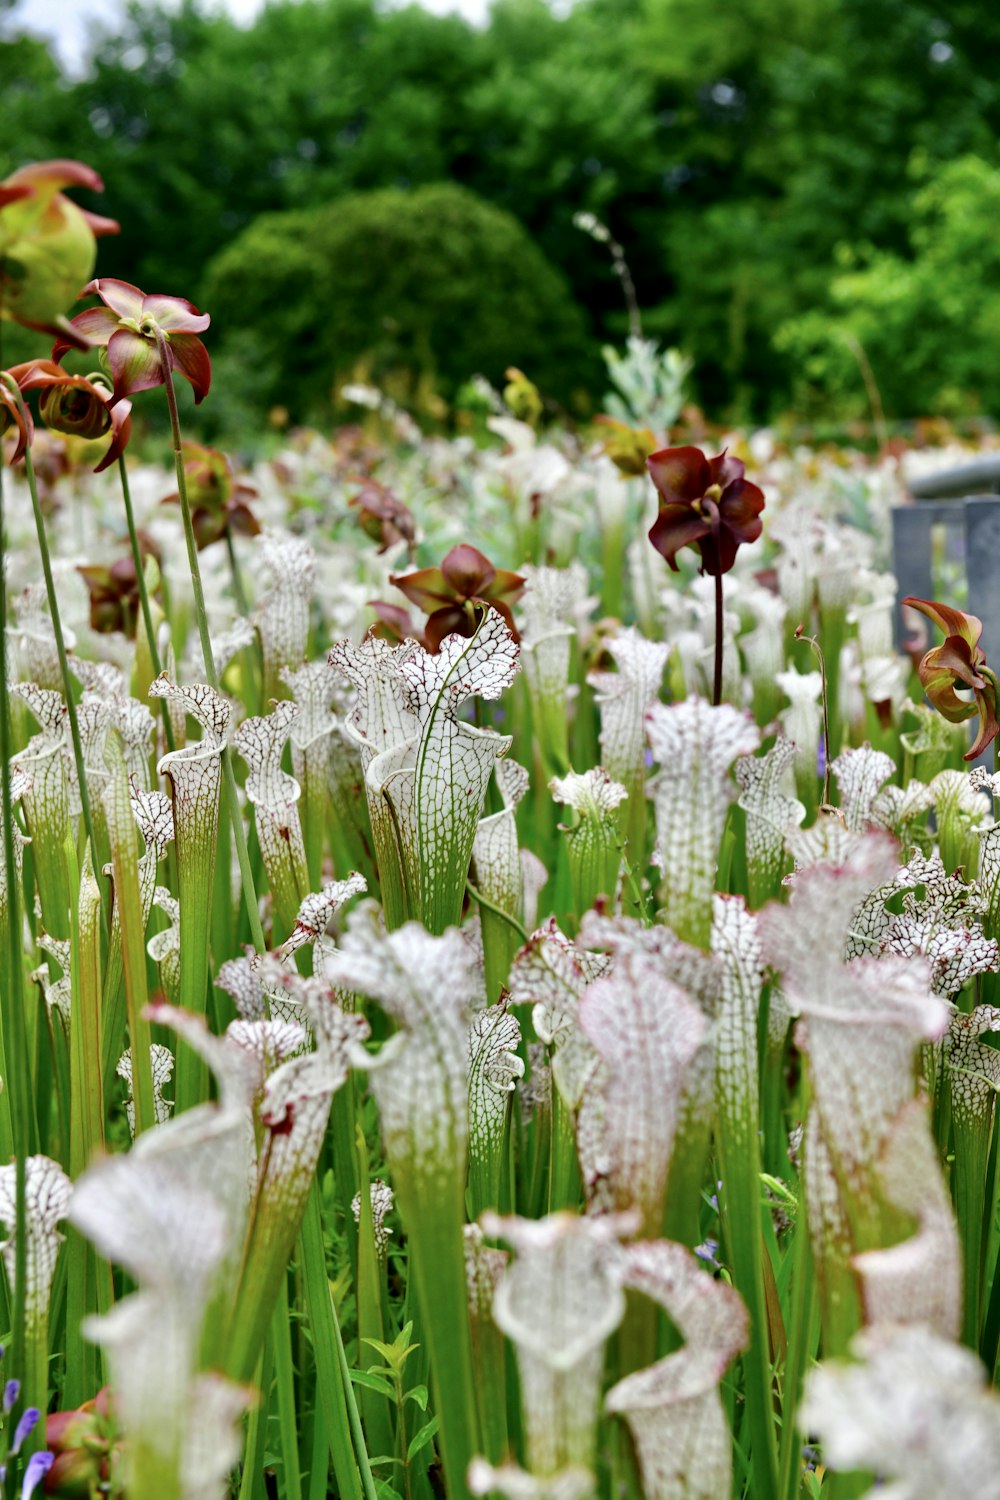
928,324
413,290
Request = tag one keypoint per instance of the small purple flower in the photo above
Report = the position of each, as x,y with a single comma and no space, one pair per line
11,1391
24,1428
39,1465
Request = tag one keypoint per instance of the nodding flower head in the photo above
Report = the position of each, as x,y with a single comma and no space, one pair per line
77,406
705,503
47,244
960,662
219,501
128,326
449,595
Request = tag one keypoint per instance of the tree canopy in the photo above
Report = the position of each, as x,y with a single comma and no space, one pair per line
744,152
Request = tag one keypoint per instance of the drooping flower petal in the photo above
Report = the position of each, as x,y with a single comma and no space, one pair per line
674,1408
317,912
919,1279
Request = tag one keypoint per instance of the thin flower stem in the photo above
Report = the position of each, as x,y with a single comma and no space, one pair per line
201,615
50,589
821,658
24,1128
236,573
719,641
147,616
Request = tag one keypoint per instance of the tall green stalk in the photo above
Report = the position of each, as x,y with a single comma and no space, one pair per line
19,1106
140,576
53,602
201,616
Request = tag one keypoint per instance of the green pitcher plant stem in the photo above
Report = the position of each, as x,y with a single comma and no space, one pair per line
201,616
53,601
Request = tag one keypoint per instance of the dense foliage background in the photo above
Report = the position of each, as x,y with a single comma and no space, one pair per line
802,187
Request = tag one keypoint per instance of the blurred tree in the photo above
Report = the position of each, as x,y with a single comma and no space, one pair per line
928,331
733,146
416,290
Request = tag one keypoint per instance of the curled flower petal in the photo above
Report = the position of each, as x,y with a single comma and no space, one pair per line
674,1408
918,1280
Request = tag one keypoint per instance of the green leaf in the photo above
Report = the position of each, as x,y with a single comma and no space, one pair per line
389,1352
419,1395
373,1382
420,1439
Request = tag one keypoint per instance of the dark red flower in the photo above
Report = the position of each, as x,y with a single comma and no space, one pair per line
382,517
11,417
704,503
114,591
126,326
219,501
394,623
77,407
449,595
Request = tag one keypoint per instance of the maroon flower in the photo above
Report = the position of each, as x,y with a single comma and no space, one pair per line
10,416
959,663
219,501
705,503
394,623
382,517
114,590
449,595
77,407
126,326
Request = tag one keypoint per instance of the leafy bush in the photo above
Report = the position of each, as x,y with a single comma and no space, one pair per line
412,289
929,324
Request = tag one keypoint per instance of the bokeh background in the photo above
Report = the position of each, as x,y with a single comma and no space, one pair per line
807,192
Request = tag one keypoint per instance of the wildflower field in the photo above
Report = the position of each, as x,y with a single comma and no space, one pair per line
498,946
